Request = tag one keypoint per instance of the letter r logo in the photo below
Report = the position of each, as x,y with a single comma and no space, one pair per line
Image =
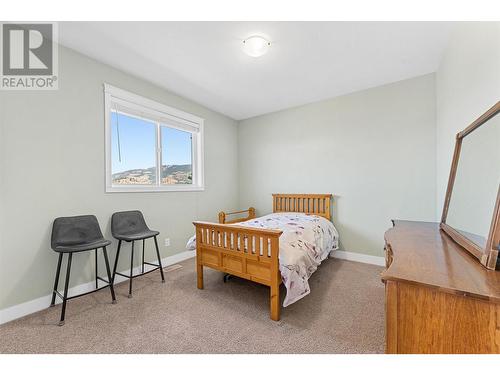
27,49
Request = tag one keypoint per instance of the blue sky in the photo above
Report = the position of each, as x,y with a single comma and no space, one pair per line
138,139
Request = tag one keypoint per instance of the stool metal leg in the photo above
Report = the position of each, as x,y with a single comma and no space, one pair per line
66,285
96,272
56,282
116,260
143,243
159,260
131,271
113,298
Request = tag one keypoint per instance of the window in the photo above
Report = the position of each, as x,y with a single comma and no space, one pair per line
150,146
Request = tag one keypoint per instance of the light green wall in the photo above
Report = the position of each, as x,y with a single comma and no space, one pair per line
467,85
374,150
52,164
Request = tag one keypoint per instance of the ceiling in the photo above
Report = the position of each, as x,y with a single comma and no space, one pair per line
307,61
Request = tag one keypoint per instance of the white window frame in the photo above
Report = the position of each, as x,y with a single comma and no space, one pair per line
162,115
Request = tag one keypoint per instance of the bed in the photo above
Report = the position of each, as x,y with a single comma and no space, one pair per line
286,246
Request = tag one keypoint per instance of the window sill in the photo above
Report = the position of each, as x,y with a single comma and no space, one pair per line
152,189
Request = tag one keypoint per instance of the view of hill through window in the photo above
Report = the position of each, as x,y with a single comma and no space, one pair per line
133,153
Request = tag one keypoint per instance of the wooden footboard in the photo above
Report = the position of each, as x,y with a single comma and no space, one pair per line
249,253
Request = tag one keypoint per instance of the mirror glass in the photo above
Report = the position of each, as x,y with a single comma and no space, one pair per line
476,183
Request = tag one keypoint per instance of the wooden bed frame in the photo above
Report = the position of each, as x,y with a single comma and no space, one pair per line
252,253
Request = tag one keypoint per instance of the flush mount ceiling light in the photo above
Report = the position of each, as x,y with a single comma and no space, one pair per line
256,46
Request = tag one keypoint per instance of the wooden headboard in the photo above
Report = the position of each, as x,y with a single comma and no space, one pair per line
314,204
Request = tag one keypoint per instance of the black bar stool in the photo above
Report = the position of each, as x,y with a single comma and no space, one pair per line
73,235
130,226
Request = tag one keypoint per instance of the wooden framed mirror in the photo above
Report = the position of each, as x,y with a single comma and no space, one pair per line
471,212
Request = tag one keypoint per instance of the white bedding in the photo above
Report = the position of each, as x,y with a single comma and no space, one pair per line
306,241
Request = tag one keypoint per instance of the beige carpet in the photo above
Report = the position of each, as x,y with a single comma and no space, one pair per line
343,314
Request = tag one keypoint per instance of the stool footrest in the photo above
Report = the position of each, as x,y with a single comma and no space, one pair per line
139,274
152,264
59,294
83,294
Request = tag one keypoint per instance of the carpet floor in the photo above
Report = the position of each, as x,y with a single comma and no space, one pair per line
343,314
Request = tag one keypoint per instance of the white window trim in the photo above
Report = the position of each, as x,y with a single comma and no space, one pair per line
162,113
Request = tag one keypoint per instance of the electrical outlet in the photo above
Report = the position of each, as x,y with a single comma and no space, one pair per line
167,242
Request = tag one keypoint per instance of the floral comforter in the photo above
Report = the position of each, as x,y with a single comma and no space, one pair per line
306,241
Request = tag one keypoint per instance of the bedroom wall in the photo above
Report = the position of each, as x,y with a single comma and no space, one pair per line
52,164
374,150
467,85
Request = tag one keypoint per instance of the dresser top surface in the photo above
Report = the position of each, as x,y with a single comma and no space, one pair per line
424,254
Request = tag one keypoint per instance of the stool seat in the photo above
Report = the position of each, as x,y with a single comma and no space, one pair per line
142,235
82,247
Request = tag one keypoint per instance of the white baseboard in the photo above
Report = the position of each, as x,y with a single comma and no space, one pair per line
173,259
30,307
358,257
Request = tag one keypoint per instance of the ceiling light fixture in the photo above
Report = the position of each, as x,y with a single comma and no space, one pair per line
256,46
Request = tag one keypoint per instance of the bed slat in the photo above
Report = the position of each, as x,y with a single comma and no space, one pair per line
315,204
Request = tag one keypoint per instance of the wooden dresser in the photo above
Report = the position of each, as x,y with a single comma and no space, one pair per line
438,298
